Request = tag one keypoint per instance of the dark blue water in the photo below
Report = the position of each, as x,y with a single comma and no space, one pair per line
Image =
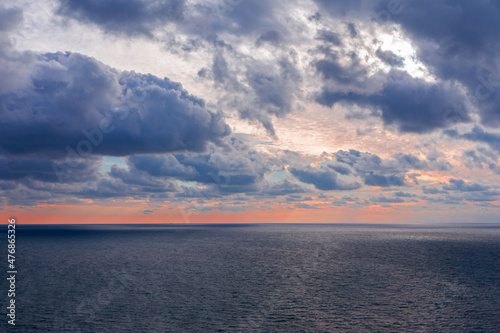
256,278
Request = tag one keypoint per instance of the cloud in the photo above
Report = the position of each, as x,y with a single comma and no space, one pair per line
366,163
77,105
411,104
462,186
10,18
484,196
338,8
384,181
432,190
404,195
411,161
61,114
130,17
376,171
233,168
15,67
258,89
333,68
46,170
284,187
329,37
480,135
272,37
383,199
323,178
390,58
480,157
458,42
343,169
240,17
305,206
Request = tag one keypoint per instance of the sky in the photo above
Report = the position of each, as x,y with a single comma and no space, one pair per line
228,111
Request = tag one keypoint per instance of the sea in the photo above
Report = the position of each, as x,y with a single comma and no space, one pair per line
255,278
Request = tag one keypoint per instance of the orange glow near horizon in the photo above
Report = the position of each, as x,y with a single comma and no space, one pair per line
100,214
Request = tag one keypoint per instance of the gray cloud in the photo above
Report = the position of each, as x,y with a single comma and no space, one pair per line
284,187
130,17
411,104
233,168
75,103
323,178
390,58
384,181
458,41
461,185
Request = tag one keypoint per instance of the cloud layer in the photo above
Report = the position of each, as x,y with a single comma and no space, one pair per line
420,77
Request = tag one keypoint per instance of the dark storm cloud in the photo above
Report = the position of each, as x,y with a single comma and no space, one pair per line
323,178
131,17
141,17
412,105
331,68
75,104
458,40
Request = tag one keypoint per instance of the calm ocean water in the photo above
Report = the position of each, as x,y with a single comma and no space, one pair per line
256,278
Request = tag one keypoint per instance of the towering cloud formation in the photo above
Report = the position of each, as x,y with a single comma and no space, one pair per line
70,97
